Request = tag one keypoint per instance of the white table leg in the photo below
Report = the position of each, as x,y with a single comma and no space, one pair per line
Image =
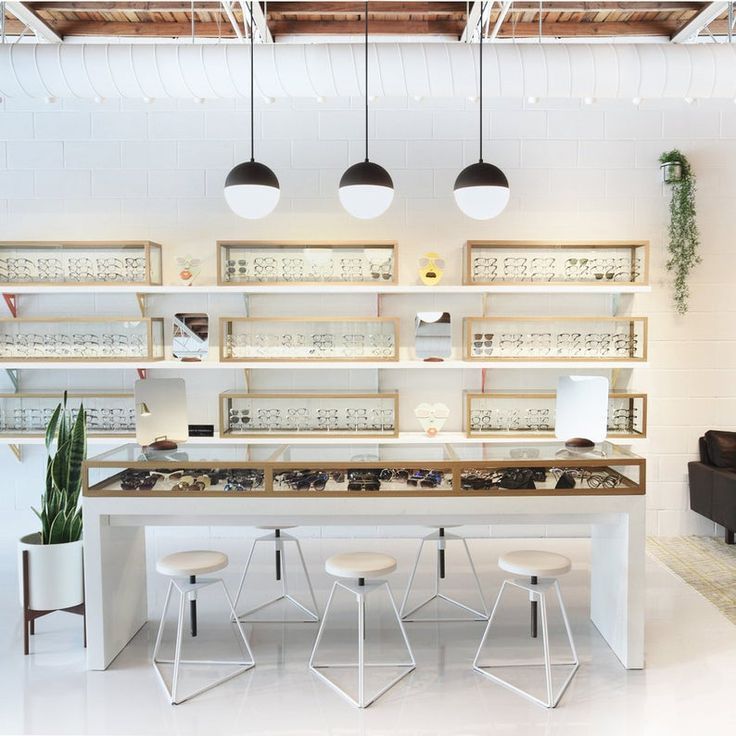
617,584
115,587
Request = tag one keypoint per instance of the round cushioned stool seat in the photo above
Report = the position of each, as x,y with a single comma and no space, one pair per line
533,563
274,528
360,565
192,562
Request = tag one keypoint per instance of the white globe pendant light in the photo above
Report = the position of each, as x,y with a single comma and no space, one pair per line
251,188
481,189
366,189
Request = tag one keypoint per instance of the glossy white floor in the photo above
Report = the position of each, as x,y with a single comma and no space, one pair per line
687,687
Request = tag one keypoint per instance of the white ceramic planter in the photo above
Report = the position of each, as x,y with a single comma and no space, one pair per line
56,578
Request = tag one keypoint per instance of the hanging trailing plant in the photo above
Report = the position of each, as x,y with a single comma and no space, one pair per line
684,237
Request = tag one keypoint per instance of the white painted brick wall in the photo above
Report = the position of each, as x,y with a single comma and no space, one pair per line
132,170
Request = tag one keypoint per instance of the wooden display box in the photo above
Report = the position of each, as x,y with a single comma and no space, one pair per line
634,403
280,263
577,263
309,404
626,342
147,331
384,331
41,400
47,263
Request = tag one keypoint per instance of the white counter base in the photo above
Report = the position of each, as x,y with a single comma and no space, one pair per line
115,564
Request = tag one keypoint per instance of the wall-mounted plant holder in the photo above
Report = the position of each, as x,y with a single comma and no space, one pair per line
254,263
539,263
583,339
43,263
532,415
26,414
347,339
82,339
309,414
672,172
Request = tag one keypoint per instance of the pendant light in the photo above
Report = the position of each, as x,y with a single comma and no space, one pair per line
366,189
481,189
251,188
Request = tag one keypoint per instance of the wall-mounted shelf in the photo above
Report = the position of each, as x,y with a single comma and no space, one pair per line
404,438
606,288
473,365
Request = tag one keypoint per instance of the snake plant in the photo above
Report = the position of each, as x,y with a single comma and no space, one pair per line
66,448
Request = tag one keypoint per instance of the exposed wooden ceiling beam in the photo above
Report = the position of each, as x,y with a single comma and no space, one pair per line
377,6
29,18
581,30
705,17
377,27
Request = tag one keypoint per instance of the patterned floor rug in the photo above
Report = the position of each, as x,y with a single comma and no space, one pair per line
704,563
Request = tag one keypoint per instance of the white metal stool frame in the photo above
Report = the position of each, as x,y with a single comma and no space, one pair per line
537,592
188,591
360,588
441,537
277,537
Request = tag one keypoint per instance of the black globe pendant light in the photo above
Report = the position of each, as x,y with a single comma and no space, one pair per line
366,189
251,188
481,189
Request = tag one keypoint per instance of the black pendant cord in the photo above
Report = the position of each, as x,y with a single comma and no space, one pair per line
480,30
252,158
366,80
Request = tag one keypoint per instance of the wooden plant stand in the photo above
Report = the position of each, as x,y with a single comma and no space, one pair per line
30,615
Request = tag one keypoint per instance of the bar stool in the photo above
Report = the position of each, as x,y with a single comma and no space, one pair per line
183,568
441,538
542,568
361,572
278,540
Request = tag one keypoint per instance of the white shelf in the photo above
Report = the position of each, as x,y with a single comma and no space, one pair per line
323,365
540,288
404,438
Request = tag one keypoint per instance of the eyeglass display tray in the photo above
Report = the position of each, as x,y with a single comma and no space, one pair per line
334,339
26,414
532,415
81,339
292,263
539,263
430,471
572,339
82,263
309,414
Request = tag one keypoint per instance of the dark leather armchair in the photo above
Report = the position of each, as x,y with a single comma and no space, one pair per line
713,480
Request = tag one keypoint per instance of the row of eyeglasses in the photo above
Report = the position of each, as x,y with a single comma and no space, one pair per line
299,268
88,345
303,419
98,420
300,345
551,268
517,420
72,269
593,344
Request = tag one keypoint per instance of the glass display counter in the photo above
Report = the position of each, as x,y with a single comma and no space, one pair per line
398,470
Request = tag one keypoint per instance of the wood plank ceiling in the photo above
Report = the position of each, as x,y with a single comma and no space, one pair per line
441,18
